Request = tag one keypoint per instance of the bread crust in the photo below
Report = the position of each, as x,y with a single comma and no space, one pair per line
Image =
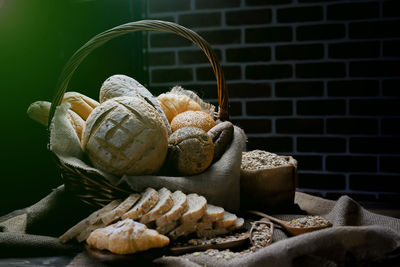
198,119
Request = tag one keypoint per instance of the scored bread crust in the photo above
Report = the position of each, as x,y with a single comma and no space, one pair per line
164,204
126,237
116,213
125,135
148,201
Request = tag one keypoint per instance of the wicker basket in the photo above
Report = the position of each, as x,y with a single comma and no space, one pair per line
90,187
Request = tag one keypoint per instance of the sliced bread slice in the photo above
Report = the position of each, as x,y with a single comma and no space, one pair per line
116,213
183,230
228,220
197,208
238,224
213,213
166,228
180,207
87,222
164,204
147,202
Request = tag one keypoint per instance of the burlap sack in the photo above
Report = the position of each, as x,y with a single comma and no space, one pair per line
269,189
220,183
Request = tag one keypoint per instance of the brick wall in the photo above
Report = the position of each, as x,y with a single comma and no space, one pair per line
319,80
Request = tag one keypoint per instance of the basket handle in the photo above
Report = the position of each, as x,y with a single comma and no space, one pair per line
151,25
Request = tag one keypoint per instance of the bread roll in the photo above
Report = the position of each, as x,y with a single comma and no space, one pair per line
81,104
173,104
39,111
197,119
126,135
191,150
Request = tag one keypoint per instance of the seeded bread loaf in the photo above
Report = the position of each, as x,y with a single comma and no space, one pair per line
190,150
148,200
164,204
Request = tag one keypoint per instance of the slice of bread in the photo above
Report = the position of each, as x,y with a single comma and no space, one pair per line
197,208
147,202
238,224
228,220
164,204
166,228
116,213
213,213
180,206
88,222
182,230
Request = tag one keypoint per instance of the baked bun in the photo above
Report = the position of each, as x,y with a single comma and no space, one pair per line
197,119
173,104
125,135
126,237
190,150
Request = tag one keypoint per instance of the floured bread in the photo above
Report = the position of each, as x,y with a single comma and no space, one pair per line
165,203
125,135
173,104
191,150
122,85
126,237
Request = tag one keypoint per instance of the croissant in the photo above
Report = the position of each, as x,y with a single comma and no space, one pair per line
126,237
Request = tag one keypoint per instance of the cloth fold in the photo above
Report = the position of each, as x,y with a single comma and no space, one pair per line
358,236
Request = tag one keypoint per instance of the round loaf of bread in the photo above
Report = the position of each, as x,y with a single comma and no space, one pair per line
173,104
121,85
125,135
197,119
191,150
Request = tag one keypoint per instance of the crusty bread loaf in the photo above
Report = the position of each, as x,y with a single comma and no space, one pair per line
148,200
197,119
121,85
173,104
126,237
164,204
190,150
81,104
117,212
125,135
88,222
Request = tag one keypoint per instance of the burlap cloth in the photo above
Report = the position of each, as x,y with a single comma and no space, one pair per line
358,237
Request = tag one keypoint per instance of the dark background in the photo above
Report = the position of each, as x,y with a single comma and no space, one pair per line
316,79
36,39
